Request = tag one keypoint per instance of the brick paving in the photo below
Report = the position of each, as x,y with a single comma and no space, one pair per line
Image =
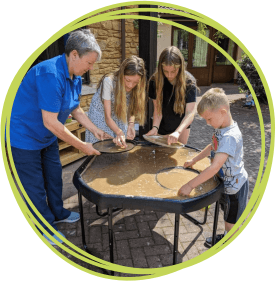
144,239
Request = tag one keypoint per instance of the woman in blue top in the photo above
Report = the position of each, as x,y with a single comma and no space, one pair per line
49,92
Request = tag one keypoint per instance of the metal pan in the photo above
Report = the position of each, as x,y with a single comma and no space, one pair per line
108,146
172,168
162,141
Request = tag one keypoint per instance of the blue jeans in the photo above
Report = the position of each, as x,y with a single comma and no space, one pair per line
40,173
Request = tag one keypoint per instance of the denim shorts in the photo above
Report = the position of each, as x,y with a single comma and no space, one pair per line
233,205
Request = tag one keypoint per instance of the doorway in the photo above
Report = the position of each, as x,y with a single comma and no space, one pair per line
203,61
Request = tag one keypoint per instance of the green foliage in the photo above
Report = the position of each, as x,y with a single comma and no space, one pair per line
136,24
185,54
252,75
219,35
201,28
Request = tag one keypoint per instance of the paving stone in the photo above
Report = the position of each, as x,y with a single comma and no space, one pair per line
127,213
143,218
126,235
166,260
157,250
159,239
154,261
86,229
123,251
192,227
163,222
104,229
96,246
139,257
131,226
159,231
190,251
182,258
189,237
75,240
119,227
125,262
170,230
202,251
105,242
72,232
144,229
171,217
207,227
200,246
141,242
95,234
170,239
106,256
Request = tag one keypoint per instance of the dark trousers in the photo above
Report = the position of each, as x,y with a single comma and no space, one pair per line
40,173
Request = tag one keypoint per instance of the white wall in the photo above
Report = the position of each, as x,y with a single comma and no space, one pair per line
163,37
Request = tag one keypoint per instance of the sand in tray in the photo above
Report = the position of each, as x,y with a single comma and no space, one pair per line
137,172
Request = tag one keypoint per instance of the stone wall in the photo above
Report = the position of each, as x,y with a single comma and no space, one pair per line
85,101
108,35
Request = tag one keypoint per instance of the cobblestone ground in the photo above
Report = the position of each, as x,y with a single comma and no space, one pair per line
144,239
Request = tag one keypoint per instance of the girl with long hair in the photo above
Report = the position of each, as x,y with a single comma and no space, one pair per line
173,92
119,101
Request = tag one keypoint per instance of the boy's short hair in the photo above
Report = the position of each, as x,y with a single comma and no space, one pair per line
213,99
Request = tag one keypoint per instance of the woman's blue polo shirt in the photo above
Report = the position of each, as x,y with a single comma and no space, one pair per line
46,86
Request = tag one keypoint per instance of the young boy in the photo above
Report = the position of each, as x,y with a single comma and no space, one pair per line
226,152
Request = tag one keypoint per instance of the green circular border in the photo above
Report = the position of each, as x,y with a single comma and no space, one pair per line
260,182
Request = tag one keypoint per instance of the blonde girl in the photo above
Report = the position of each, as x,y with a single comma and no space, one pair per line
173,92
119,101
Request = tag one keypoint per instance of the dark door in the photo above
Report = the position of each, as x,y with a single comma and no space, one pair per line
223,70
196,52
203,61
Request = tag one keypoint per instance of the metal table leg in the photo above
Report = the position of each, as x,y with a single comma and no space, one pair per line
82,223
110,231
176,235
215,223
196,221
105,213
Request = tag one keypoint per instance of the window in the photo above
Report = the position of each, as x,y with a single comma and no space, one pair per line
181,41
200,51
228,45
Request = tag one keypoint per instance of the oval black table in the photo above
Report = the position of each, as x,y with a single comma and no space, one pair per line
114,202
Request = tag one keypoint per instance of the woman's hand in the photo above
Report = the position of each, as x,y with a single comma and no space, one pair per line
131,131
101,135
152,132
120,139
173,138
88,149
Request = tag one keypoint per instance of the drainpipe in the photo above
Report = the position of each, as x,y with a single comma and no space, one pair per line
123,37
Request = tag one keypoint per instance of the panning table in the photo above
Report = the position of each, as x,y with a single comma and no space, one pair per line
128,180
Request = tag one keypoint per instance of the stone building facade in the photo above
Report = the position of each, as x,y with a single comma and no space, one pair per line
108,35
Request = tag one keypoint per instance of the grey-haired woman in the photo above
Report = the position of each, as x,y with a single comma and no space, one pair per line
49,92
